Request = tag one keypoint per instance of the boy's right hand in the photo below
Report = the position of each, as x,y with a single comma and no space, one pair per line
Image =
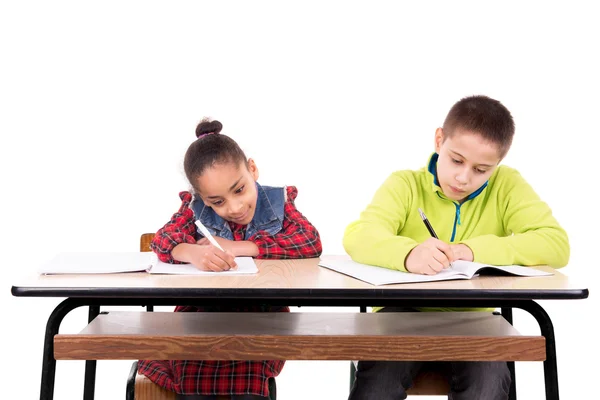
429,257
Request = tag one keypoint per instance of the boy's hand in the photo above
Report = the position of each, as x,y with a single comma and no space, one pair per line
462,252
429,257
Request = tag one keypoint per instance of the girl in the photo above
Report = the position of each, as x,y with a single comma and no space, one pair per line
246,219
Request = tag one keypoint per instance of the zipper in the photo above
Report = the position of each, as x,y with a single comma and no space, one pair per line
456,220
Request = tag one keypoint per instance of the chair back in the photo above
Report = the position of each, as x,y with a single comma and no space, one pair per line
145,241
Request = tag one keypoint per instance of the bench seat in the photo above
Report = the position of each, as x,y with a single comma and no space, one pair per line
420,336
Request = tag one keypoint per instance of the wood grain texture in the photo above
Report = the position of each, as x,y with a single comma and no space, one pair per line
145,240
457,336
292,274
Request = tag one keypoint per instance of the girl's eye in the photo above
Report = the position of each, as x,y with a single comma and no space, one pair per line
480,171
218,203
455,161
239,190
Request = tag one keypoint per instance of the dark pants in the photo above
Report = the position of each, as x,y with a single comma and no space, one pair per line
389,380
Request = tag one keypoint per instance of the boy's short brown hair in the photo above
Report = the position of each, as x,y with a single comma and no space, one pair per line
482,115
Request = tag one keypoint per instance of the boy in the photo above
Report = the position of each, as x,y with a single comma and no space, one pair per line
480,211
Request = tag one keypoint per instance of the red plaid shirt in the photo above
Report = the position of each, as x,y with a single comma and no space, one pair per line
298,238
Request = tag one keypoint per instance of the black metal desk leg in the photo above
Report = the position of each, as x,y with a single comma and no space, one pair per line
547,330
512,394
48,361
90,365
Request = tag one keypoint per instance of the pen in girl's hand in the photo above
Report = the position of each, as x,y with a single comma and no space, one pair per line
207,235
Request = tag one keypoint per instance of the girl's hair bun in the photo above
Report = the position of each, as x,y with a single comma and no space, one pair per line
207,127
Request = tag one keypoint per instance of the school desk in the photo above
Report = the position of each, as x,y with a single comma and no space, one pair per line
294,283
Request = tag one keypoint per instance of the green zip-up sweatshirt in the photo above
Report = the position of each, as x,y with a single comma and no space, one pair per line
504,222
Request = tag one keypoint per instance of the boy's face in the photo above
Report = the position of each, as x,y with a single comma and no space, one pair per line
230,191
465,162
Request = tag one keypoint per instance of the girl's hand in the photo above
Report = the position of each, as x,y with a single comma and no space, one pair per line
243,248
207,257
224,243
429,257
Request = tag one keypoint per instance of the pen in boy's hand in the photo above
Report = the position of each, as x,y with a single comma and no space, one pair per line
207,235
431,231
427,224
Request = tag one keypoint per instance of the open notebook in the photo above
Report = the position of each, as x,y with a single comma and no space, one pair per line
110,263
459,270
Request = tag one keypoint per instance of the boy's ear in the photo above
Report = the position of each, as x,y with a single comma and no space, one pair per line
253,169
439,139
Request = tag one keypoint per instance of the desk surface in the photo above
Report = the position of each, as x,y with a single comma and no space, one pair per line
295,279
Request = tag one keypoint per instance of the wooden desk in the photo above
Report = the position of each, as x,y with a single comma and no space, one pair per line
293,283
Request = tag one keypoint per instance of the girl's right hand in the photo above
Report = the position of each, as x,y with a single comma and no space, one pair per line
205,257
211,258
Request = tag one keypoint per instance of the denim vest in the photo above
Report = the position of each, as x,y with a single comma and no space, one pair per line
268,215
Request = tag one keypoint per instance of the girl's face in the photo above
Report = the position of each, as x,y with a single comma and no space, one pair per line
466,161
230,190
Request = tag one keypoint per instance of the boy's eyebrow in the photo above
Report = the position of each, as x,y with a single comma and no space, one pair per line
230,189
480,165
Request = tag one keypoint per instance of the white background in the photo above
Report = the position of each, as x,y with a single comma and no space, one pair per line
99,101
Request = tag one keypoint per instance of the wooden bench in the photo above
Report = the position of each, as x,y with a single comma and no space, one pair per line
432,336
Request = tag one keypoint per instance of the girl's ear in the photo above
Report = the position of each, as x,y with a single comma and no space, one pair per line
206,204
198,197
253,169
439,139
